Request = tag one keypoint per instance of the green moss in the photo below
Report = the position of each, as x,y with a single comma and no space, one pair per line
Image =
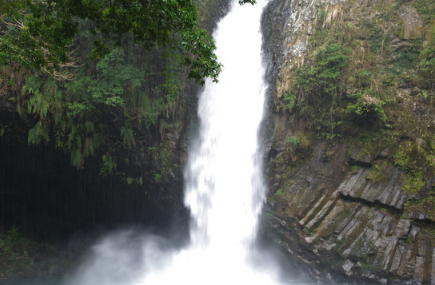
427,229
407,56
426,8
413,156
294,141
430,160
377,39
377,172
401,30
278,194
425,205
369,142
328,155
414,182
163,159
339,245
403,155
427,56
354,169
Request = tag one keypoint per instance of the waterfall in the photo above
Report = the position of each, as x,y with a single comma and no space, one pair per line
224,185
224,188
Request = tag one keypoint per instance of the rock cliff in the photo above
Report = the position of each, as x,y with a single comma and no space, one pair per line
350,137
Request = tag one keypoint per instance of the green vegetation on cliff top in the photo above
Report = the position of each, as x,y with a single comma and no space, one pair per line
97,77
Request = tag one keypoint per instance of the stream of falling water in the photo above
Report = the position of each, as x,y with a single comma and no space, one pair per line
224,184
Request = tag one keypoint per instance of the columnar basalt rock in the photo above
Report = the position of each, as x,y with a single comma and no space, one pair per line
328,222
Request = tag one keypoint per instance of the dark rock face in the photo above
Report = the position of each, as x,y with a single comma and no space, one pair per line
338,212
349,226
390,194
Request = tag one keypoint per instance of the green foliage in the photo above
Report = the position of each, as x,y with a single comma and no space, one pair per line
321,16
131,63
13,236
405,153
425,205
377,172
109,165
127,133
278,194
7,242
369,143
102,109
425,8
407,57
430,160
379,41
325,74
21,256
337,89
412,157
427,57
42,37
414,182
290,100
164,160
294,141
317,90
32,39
329,62
130,180
365,107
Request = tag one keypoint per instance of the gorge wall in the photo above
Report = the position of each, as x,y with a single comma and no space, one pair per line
350,137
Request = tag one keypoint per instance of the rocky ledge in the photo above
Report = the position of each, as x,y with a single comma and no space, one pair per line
344,222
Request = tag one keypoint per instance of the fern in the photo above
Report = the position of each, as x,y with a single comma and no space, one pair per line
76,158
89,112
89,126
127,134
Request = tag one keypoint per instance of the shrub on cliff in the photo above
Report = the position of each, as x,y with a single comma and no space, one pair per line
316,91
427,58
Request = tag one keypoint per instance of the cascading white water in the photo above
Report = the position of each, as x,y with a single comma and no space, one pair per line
224,188
224,185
